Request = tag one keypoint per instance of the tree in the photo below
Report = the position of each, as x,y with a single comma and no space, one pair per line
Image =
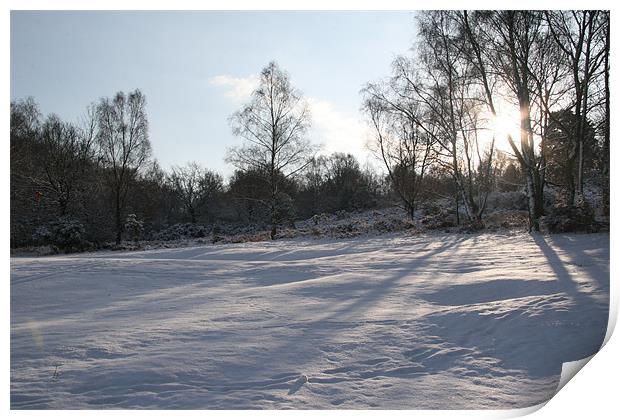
437,92
406,152
153,199
246,190
345,186
25,196
313,179
607,119
123,145
560,149
273,124
195,186
508,177
64,156
582,38
510,38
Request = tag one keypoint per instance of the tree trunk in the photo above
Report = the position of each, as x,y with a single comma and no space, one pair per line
532,180
606,127
274,220
62,207
273,231
274,209
531,202
570,178
582,131
456,202
119,223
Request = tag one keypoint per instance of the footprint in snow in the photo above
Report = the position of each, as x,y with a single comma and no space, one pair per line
298,384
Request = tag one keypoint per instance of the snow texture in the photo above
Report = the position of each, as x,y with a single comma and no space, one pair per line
395,321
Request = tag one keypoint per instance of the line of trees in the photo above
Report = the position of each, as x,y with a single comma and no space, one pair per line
96,180
60,169
432,124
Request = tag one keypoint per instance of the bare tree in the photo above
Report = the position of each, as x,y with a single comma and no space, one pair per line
439,96
25,130
581,37
509,38
195,185
123,144
405,150
273,125
63,156
607,117
455,99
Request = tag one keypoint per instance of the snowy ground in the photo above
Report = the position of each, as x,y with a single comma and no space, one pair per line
444,321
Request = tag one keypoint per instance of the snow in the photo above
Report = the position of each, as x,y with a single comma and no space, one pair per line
393,321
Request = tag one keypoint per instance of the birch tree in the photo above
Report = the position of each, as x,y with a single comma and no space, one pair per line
581,37
273,125
509,38
399,142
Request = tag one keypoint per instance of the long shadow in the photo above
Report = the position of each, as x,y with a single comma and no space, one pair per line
566,280
383,288
491,291
379,290
597,267
533,326
293,339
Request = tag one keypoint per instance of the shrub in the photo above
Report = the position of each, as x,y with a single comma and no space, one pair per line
65,233
183,231
472,226
568,218
134,226
441,220
508,200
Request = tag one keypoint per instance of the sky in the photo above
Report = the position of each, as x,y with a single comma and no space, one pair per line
197,68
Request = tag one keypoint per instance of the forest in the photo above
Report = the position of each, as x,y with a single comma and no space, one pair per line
437,125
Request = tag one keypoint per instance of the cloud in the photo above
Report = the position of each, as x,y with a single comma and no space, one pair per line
336,130
239,89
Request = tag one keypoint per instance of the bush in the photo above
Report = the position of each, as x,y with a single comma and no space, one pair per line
65,233
134,226
320,218
182,231
506,219
472,226
441,220
509,200
567,218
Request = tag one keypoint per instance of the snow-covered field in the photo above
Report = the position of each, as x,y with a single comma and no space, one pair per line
440,321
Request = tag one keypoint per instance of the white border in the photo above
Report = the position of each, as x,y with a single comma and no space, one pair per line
593,394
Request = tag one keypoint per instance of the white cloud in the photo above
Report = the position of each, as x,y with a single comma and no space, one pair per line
239,89
338,131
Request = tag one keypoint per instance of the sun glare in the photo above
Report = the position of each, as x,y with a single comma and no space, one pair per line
505,123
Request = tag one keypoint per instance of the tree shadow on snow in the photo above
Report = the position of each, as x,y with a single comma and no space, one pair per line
531,326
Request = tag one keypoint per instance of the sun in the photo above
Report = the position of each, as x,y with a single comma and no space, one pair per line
502,125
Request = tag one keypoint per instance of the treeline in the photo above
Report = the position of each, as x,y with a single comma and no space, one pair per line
96,181
79,184
552,66
86,183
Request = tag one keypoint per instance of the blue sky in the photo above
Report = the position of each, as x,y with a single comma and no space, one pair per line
196,68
